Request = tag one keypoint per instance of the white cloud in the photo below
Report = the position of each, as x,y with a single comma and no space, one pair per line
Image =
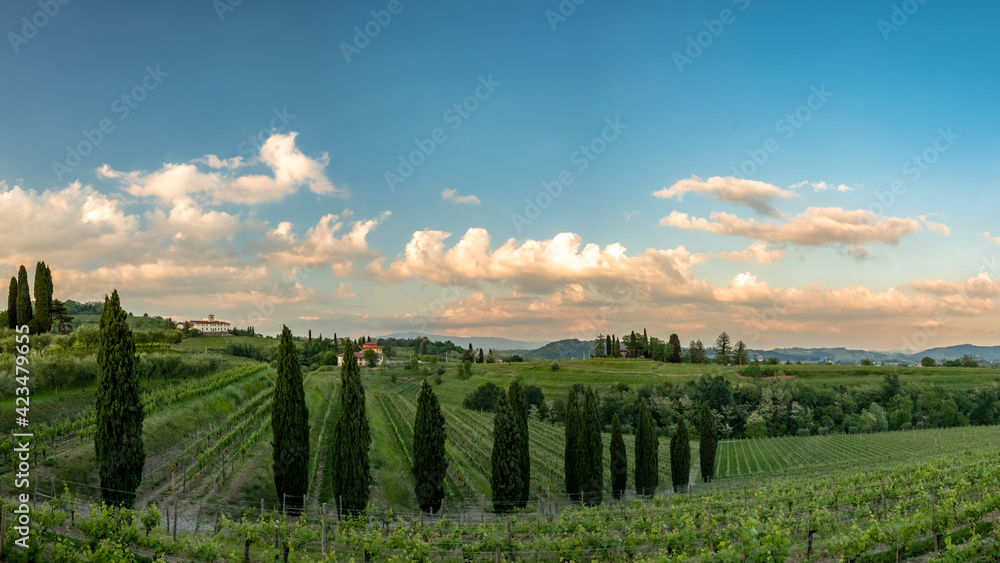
67,226
751,193
321,243
215,162
629,214
452,196
813,227
757,251
980,286
290,168
994,240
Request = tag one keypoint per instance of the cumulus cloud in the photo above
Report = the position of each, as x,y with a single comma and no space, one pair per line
67,226
534,264
750,193
814,227
757,251
321,243
452,196
994,240
289,167
980,286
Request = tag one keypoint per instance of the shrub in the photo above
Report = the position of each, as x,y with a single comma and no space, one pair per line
554,366
437,379
802,432
440,370
906,426
822,430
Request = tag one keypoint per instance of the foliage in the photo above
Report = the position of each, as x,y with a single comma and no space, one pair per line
519,408
118,437
591,459
429,463
483,399
646,453
573,432
709,441
352,439
505,475
289,427
680,457
619,460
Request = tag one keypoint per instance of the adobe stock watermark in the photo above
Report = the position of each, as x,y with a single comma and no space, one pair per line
752,329
697,43
919,339
223,7
265,304
913,168
563,11
786,127
456,116
582,158
899,17
450,293
278,124
31,25
366,32
597,319
122,107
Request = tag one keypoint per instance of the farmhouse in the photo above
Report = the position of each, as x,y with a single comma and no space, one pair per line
209,326
360,355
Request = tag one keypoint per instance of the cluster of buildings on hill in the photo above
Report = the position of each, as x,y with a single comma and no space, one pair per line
360,355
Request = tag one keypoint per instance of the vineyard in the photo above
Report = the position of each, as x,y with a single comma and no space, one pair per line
208,471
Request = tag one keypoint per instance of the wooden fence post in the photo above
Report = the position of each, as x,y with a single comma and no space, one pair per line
323,532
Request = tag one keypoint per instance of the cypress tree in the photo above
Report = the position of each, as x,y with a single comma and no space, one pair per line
607,346
505,477
709,442
43,297
571,458
429,463
290,427
118,436
352,439
619,459
12,304
675,350
647,457
24,313
592,470
680,457
519,406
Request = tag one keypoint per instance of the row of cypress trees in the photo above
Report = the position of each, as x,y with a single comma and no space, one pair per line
19,307
510,475
582,461
583,466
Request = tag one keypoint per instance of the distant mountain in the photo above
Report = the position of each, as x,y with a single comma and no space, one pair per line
848,356
484,342
562,349
981,352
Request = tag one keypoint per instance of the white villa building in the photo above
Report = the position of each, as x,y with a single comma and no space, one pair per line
209,325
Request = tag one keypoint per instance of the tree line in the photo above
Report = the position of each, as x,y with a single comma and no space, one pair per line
636,345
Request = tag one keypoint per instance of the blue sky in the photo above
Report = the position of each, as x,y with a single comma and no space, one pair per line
895,76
